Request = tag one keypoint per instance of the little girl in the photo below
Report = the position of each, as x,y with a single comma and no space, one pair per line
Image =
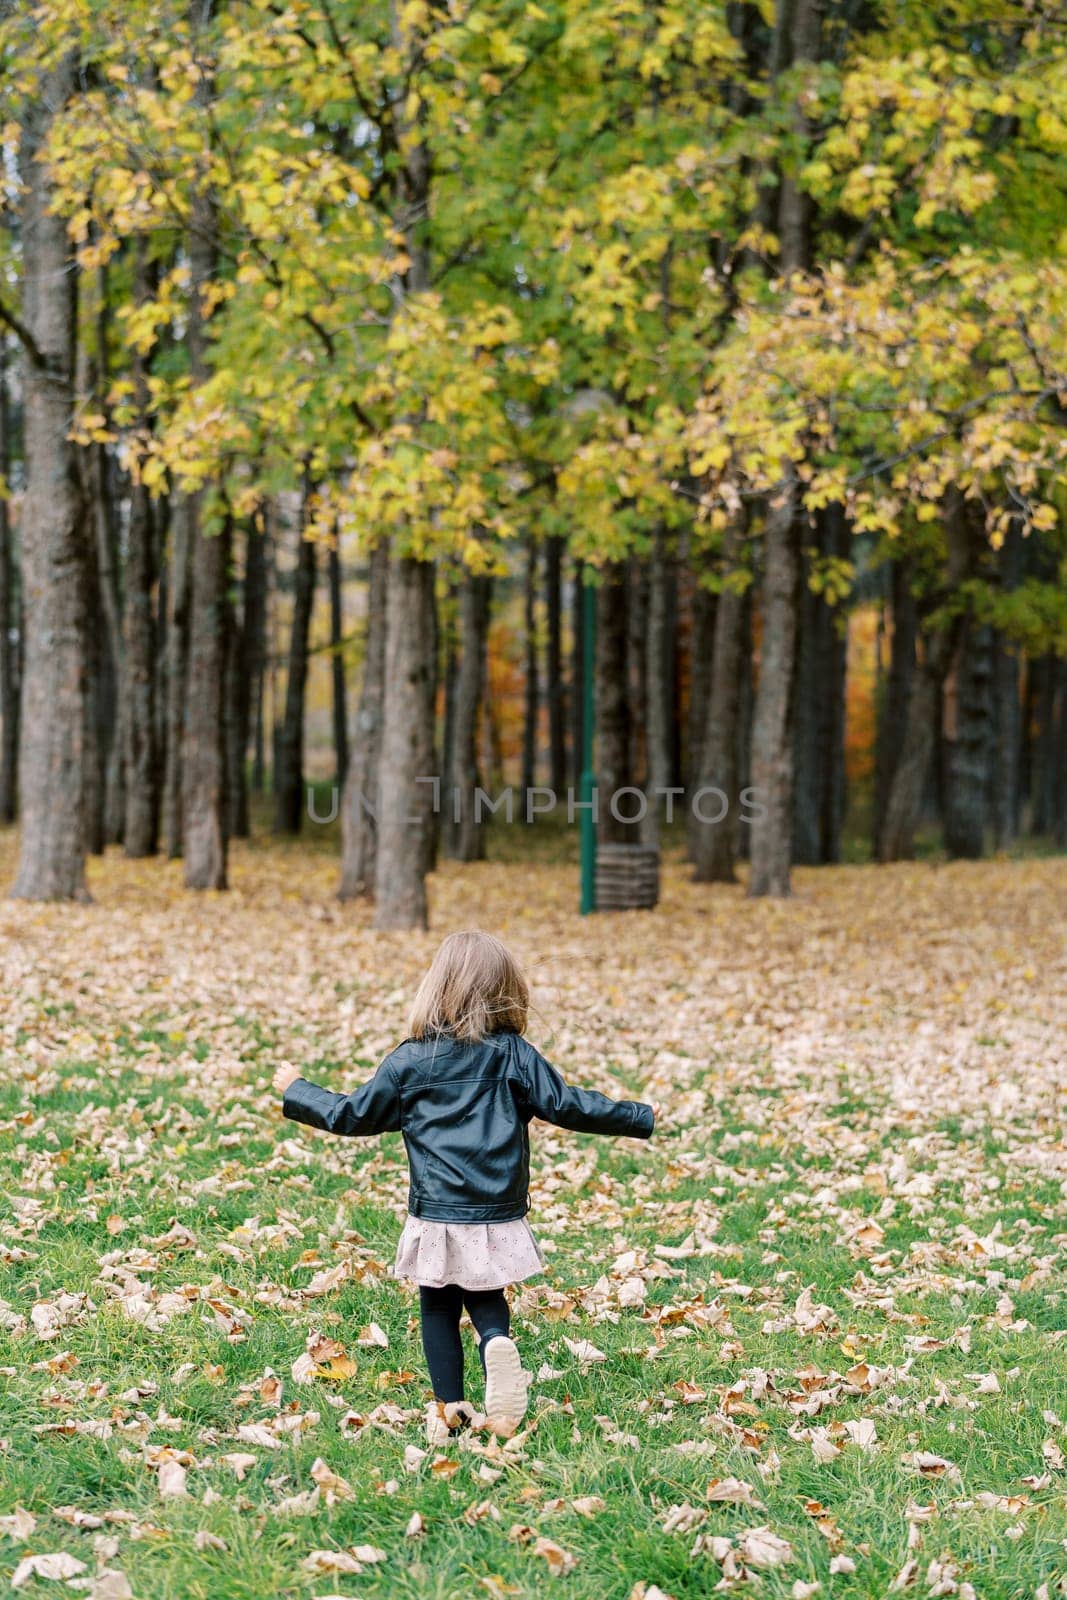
462,1089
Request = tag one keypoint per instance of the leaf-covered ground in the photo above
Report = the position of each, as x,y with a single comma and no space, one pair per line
810,1340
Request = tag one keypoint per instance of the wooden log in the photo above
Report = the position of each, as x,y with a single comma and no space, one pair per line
627,877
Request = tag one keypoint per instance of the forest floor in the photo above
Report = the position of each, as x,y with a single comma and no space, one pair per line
809,1340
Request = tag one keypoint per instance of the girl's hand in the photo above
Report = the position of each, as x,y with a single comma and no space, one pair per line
656,1108
284,1076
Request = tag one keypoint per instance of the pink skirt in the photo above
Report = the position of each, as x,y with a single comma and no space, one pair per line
475,1255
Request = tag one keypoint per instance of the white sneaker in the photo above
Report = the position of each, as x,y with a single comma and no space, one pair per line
505,1384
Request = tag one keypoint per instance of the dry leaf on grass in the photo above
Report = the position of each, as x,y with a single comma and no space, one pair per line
19,1524
558,1560
585,1353
862,1432
321,1561
58,1567
761,1548
930,1465
111,1584
171,1481
683,1519
733,1490
372,1337
352,1560
206,1540
333,1487
258,1433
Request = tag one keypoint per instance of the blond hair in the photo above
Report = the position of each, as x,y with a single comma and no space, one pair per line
474,987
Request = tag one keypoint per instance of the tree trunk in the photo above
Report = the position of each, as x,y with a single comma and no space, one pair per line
258,645
532,699
464,837
713,842
674,679
797,40
259,743
161,518
577,673
808,722
203,744
819,721
1059,819
203,778
360,801
431,756
407,824
834,796
555,688
406,817
893,711
1007,718
102,498
450,636
337,661
636,579
1027,720
9,685
743,831
903,808
771,837
613,751
177,670
244,671
289,747
1044,764
897,842
55,541
99,697
659,681
702,617
969,745
254,644
204,812
138,718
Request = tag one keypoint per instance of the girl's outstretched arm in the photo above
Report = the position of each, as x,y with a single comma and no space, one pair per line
374,1108
551,1098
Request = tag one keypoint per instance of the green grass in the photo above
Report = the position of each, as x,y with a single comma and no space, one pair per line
115,1142
994,1440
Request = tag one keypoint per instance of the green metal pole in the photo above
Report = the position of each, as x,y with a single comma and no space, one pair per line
587,781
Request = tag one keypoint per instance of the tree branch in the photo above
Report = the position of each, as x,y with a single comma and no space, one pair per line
33,350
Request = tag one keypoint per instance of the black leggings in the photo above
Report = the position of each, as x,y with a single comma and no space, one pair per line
441,1310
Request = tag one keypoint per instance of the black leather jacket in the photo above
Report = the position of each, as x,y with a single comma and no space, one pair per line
464,1111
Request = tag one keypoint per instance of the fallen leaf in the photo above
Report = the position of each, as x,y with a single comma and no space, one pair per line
59,1567
733,1490
762,1548
558,1560
584,1352
170,1480
863,1433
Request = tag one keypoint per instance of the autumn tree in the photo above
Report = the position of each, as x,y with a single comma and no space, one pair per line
739,315
55,533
